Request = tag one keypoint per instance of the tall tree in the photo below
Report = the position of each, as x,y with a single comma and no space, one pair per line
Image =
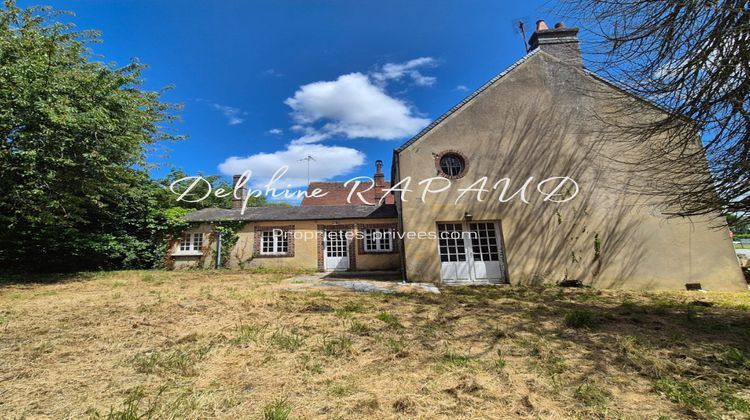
691,57
73,135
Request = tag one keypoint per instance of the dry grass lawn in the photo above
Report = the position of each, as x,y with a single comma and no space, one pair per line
199,344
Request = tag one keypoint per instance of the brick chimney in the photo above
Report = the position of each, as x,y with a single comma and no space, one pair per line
238,195
561,42
379,176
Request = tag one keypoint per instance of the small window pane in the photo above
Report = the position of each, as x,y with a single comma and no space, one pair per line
452,164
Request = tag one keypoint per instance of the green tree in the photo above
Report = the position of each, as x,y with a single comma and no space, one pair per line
73,134
738,225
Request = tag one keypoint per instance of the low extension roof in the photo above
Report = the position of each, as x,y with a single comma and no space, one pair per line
258,214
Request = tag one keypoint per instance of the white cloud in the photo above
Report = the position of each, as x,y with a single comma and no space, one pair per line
275,131
351,106
233,115
462,88
330,162
396,71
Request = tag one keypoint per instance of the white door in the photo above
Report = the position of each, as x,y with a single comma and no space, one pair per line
470,253
454,264
485,253
336,250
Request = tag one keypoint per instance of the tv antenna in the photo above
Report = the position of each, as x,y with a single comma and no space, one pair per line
522,29
308,158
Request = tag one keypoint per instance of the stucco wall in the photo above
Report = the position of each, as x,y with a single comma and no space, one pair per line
306,247
539,121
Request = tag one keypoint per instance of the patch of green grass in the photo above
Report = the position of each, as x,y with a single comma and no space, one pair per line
500,361
389,319
581,319
290,341
337,346
350,308
311,365
738,358
175,362
356,327
684,393
4,319
132,407
397,346
549,360
455,360
116,284
732,402
592,396
342,390
278,409
249,333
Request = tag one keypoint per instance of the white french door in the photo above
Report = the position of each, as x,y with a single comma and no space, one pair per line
470,253
336,250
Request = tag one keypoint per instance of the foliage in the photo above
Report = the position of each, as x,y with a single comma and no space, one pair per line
738,225
691,58
72,158
277,409
74,134
228,232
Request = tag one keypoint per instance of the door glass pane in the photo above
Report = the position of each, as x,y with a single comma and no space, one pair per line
484,242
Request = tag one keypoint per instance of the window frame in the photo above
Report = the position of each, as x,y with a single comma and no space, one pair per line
190,244
386,244
279,243
460,156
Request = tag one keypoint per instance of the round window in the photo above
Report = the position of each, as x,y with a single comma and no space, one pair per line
452,164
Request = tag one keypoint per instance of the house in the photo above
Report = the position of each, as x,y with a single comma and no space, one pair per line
536,120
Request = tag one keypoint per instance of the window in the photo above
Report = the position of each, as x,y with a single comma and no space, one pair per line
378,240
451,164
274,242
191,242
451,242
484,242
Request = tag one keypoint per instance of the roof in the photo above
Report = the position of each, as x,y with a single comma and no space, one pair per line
467,100
258,214
337,194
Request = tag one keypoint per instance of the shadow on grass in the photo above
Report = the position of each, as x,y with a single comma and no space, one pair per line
30,279
693,348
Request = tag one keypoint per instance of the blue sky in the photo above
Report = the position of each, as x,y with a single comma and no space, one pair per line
266,82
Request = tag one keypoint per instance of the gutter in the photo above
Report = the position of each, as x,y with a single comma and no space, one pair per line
395,179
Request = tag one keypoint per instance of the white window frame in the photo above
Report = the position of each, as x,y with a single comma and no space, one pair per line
190,244
377,244
279,242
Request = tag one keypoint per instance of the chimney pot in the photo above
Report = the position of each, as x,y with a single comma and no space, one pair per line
561,42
